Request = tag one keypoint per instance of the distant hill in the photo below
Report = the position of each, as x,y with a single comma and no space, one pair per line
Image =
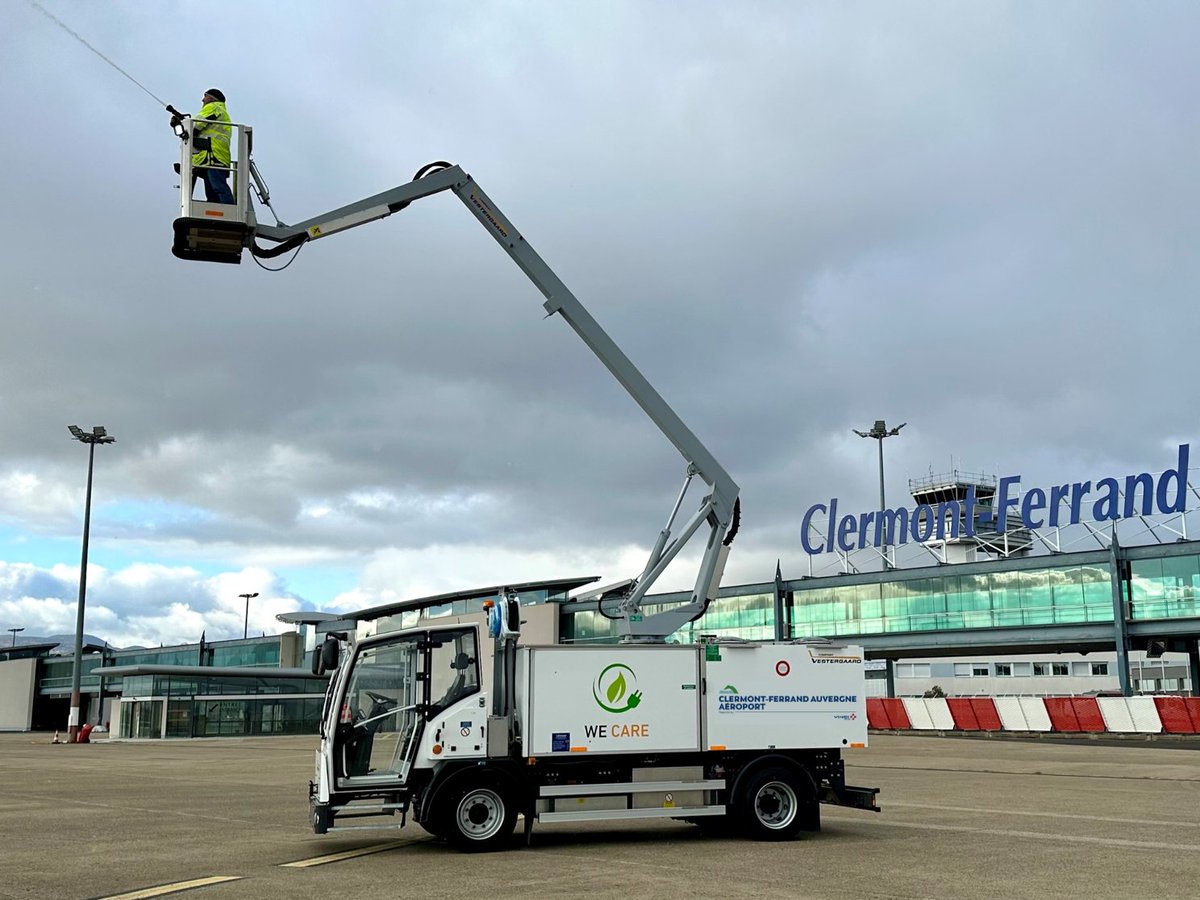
66,642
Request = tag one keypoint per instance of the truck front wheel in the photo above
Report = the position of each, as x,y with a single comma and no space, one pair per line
479,818
775,805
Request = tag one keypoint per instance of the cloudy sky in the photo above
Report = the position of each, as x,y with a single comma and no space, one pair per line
796,218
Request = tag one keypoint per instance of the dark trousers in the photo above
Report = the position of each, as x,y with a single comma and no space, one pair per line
216,185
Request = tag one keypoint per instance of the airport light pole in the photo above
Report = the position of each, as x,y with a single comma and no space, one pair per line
247,598
98,435
878,432
14,634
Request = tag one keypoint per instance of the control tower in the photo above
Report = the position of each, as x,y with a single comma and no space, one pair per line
987,543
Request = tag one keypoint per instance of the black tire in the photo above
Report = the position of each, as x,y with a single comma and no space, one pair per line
714,826
477,817
776,804
321,818
431,829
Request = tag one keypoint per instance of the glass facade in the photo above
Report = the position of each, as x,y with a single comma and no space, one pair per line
210,706
1162,587
749,616
1049,596
257,654
56,675
1165,588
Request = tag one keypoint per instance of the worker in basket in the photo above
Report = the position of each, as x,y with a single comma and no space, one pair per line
211,158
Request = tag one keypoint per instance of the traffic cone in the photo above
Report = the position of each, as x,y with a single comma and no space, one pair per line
56,740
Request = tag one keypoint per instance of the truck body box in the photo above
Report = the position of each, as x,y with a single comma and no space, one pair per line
655,698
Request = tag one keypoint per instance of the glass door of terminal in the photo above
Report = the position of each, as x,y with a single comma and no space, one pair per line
142,718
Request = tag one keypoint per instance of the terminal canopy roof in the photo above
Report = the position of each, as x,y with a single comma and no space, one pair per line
562,585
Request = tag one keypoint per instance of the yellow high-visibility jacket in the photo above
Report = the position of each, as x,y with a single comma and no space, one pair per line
210,136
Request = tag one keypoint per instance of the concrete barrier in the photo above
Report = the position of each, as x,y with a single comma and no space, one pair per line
877,716
1067,715
1012,717
939,713
896,713
1036,717
962,713
1116,714
1145,715
1174,714
985,714
1087,713
918,714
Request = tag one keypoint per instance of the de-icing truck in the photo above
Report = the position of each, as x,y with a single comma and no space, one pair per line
725,734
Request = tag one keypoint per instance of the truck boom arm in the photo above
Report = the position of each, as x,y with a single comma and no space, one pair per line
717,508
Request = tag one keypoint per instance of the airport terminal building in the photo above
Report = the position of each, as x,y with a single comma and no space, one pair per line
994,610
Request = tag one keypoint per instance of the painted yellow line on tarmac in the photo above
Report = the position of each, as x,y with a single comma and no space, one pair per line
163,889
1032,835
345,854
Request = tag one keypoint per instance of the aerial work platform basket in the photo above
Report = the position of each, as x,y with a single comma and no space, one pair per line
207,231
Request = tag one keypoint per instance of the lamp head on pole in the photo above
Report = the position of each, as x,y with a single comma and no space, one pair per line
98,435
879,430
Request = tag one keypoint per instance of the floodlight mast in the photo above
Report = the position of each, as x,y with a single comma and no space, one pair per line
98,435
718,509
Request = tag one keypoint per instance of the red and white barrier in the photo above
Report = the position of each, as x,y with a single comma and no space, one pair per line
1067,715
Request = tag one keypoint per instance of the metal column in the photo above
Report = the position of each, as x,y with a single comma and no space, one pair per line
1120,626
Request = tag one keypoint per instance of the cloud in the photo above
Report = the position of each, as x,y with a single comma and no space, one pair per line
976,219
143,604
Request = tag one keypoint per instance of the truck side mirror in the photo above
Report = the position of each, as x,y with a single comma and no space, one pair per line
325,657
512,616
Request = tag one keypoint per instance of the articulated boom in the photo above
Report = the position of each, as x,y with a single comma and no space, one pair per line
206,232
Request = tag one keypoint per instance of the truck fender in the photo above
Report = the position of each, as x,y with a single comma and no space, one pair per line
448,777
761,762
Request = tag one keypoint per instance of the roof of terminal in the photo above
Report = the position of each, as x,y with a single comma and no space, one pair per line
203,671
391,609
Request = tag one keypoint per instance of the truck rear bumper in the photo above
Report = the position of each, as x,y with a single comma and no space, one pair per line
853,797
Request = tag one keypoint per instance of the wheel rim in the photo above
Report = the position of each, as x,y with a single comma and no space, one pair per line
775,805
480,815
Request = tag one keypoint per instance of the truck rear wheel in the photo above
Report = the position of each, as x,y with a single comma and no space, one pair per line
478,818
775,804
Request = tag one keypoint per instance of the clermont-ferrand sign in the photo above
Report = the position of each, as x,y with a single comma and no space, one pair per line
1108,500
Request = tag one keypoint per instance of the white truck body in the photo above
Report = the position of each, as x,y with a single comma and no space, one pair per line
579,699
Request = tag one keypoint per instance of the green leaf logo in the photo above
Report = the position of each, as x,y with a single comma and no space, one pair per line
615,688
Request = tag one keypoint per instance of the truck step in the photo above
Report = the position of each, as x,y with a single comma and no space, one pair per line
629,787
601,815
380,827
375,809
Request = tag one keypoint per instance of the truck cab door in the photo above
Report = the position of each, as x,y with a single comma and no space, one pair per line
381,715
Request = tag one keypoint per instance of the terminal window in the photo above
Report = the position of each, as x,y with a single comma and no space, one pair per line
1004,669
971,670
1060,669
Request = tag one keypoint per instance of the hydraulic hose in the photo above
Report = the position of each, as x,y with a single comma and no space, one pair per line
281,248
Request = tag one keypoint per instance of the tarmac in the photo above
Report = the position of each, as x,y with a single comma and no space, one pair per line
225,818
